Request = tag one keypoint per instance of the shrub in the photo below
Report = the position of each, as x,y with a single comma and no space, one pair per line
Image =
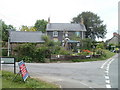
27,59
64,52
4,52
24,52
100,45
42,53
101,52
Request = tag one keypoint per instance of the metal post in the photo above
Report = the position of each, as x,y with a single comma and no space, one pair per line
14,65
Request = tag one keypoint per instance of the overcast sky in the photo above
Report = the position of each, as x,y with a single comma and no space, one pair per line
26,12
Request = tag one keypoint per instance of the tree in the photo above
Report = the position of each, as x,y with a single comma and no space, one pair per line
26,28
40,25
95,28
4,29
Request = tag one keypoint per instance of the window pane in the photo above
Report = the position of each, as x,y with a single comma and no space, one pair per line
77,34
55,34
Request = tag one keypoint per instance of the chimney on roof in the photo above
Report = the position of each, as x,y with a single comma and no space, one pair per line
115,34
48,19
81,20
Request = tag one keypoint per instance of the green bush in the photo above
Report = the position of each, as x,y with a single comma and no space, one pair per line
26,49
41,53
24,52
27,59
4,52
64,52
100,45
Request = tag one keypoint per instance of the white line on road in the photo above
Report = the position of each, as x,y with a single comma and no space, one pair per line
107,79
104,64
108,86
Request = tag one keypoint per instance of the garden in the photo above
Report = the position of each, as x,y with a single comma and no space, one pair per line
51,51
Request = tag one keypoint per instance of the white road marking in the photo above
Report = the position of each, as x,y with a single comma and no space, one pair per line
106,71
86,85
104,64
108,86
107,77
107,81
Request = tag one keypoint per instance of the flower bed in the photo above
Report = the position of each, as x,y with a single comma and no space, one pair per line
71,57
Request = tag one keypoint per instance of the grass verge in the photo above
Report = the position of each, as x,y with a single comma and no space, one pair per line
7,82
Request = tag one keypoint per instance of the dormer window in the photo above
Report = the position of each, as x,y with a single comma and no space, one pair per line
55,34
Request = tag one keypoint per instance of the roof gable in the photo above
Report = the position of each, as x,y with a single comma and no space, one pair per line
65,27
23,36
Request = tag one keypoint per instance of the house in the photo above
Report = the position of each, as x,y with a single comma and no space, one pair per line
114,40
113,44
63,31
60,31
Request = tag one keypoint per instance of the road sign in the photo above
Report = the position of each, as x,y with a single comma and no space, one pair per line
23,70
8,60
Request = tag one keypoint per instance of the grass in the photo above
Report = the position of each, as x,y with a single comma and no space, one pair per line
0,80
7,82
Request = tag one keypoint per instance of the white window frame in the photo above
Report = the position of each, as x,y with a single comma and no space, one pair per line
66,34
55,33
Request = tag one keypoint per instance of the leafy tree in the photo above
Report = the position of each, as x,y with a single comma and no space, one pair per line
26,28
86,43
40,25
4,29
101,45
93,23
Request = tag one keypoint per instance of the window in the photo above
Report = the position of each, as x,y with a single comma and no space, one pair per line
77,34
55,34
66,34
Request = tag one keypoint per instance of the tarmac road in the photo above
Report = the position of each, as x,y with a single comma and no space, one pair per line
76,75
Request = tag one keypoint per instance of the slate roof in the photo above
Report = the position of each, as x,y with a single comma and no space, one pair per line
22,36
65,27
114,40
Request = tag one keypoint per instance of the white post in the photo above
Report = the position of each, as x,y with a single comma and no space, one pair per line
8,47
82,34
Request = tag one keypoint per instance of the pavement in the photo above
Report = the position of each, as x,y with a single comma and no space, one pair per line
76,75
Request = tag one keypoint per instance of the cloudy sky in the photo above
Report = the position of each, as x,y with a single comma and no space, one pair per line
26,12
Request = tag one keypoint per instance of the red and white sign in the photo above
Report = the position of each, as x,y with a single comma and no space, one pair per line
23,70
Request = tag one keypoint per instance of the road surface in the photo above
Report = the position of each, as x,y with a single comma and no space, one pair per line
94,74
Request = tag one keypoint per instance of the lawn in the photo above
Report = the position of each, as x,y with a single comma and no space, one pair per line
7,82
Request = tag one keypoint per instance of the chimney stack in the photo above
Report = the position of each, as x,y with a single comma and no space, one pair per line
49,20
81,20
115,34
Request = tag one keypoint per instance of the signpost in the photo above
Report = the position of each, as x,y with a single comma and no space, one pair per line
23,70
8,60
